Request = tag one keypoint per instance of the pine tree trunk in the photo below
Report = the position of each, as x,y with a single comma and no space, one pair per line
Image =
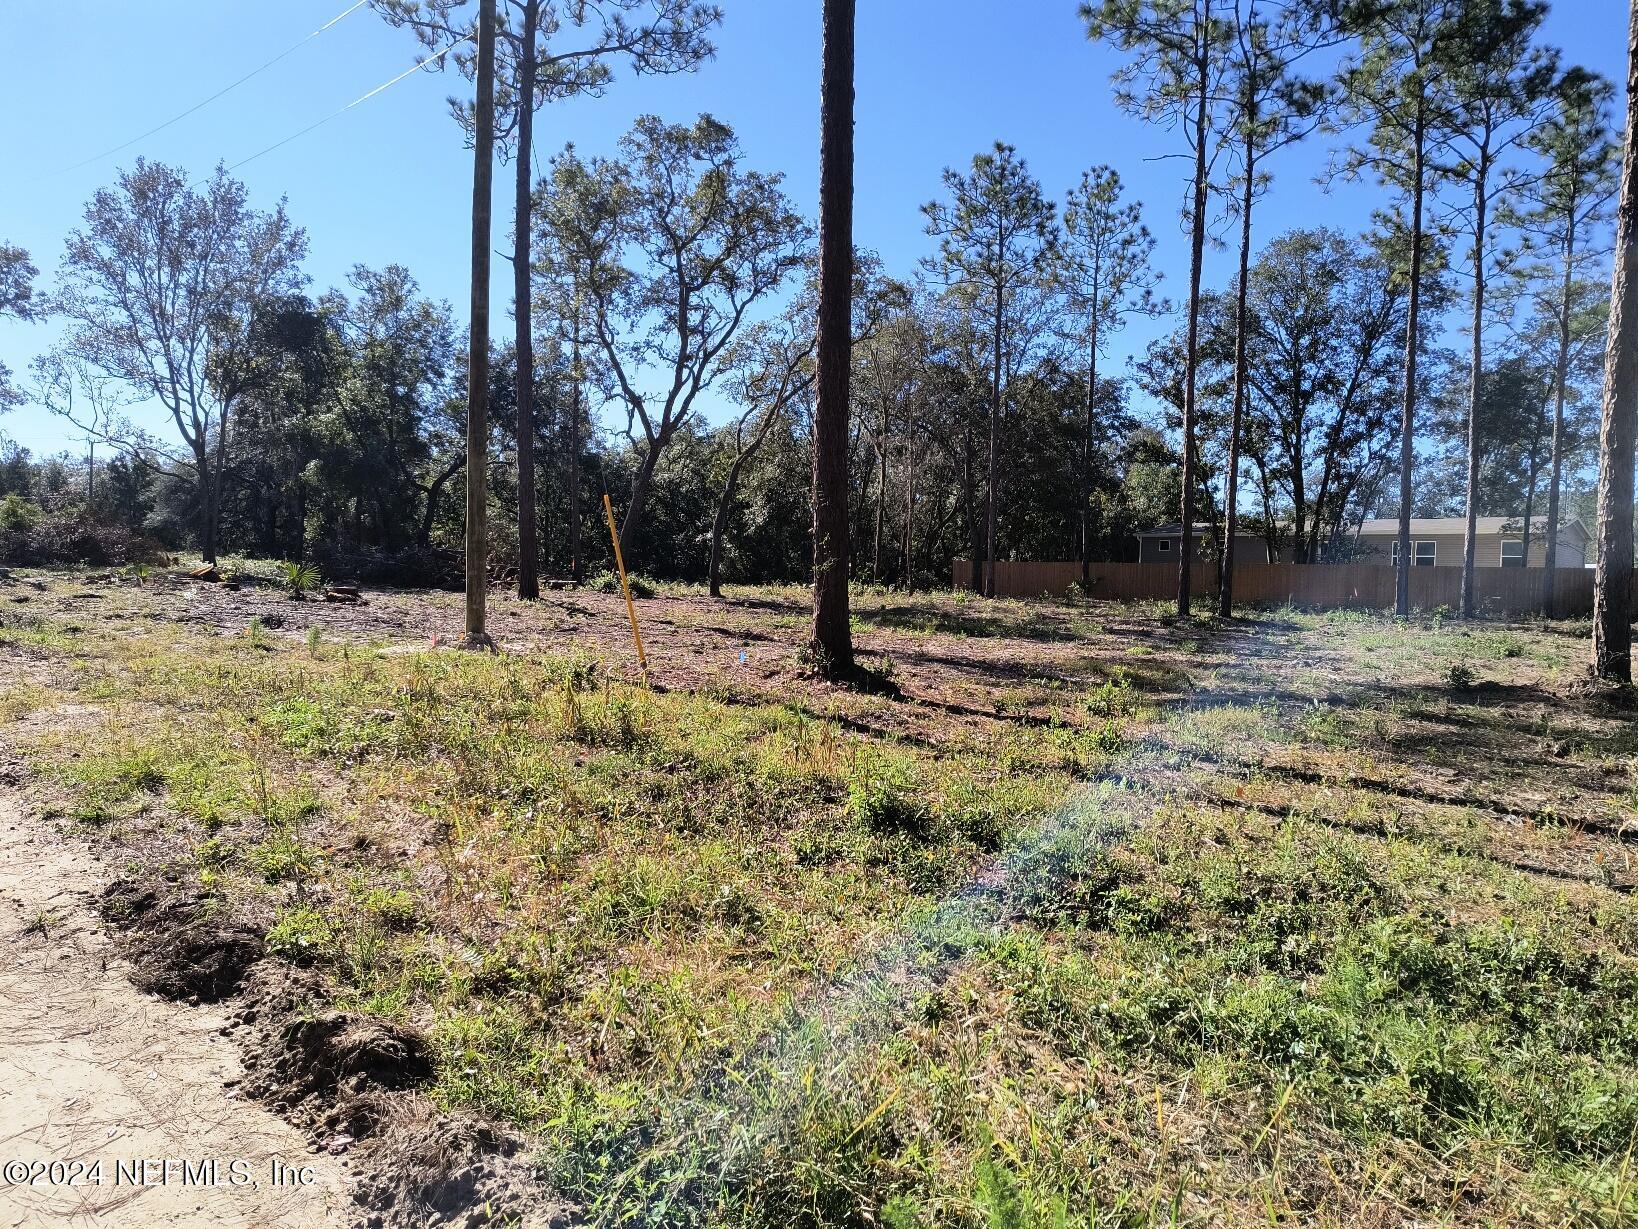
909,504
1086,451
1612,597
1475,395
992,506
1225,591
1197,249
528,543
832,644
975,522
1561,375
881,500
577,565
477,363
1407,420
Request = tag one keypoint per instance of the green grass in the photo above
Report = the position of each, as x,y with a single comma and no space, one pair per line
762,960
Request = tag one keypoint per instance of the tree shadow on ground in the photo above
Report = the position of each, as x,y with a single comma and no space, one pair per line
979,624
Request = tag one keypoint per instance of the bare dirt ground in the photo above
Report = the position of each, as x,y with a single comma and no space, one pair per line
92,1069
959,666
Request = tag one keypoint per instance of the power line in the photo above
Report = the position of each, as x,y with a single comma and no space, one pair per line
206,102
433,58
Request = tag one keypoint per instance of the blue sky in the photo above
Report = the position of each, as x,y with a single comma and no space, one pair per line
389,181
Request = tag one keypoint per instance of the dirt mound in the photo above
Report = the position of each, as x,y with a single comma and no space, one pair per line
352,1081
339,1054
333,1072
182,943
430,1170
1603,695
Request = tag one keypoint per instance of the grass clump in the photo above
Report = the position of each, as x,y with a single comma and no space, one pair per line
609,582
881,798
302,933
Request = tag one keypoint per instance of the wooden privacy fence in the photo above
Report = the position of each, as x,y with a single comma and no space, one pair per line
1363,586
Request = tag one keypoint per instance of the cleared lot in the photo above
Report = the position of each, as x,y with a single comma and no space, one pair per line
1079,916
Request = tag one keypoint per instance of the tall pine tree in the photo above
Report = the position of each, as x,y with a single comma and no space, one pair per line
831,643
1395,91
996,236
1174,78
1612,594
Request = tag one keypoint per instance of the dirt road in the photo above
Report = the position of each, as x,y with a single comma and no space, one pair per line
93,1070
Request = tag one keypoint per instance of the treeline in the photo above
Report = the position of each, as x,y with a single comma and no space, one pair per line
349,448
332,426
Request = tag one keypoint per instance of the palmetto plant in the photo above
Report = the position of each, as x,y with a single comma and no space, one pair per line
299,579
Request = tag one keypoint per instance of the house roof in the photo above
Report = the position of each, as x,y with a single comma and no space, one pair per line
1389,526
1175,529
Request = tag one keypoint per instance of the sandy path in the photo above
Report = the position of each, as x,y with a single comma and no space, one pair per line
92,1069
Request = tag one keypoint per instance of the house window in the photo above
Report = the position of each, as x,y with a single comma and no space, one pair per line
1512,553
1427,553
1165,547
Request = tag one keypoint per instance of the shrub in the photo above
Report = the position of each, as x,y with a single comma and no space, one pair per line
1113,697
18,515
609,582
31,538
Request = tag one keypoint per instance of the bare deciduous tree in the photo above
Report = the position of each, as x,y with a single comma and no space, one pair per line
160,289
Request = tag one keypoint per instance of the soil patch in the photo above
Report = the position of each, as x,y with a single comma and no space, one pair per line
182,944
352,1081
92,1069
431,1170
